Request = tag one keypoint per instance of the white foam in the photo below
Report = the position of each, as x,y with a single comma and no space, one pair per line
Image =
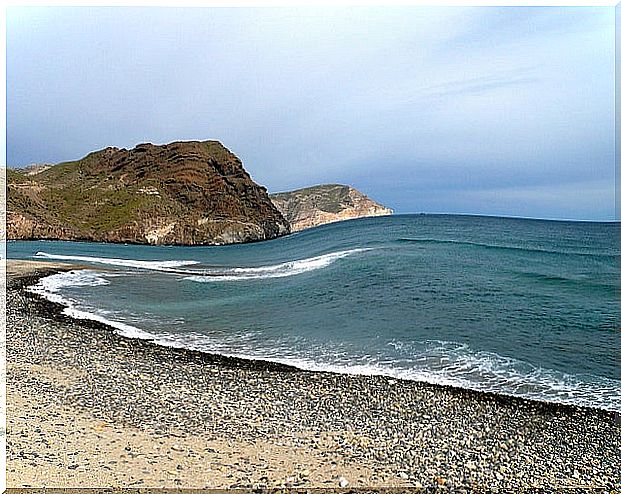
456,364
82,277
50,287
542,384
433,361
128,263
442,363
123,329
290,268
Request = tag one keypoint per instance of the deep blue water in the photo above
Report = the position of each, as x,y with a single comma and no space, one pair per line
514,306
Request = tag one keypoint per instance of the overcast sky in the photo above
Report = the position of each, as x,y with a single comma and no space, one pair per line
505,111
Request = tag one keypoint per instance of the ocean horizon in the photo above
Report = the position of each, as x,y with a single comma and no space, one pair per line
514,306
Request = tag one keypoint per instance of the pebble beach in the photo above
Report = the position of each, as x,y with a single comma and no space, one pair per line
89,408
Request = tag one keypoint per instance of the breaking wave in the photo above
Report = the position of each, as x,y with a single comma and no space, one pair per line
51,286
290,268
166,266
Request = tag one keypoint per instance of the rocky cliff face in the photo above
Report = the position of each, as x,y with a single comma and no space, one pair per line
313,206
186,193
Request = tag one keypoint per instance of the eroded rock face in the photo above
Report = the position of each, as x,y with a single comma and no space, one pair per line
314,206
23,227
185,193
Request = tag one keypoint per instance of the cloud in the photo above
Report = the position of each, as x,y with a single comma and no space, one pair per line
554,201
432,100
482,84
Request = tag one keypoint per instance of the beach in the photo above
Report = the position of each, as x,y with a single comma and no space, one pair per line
89,408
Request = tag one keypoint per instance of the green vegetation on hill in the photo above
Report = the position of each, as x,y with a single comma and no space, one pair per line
181,193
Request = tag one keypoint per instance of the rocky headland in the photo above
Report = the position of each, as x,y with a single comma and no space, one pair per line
321,204
184,193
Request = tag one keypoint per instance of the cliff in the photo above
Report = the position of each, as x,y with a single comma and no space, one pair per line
186,193
313,206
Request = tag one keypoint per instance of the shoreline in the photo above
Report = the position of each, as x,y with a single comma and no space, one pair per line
55,310
352,441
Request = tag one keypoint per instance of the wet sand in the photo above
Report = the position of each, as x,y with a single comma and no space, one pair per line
89,408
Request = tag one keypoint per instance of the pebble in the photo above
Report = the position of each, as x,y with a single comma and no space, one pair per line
421,431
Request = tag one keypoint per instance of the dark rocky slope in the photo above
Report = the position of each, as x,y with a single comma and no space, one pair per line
186,193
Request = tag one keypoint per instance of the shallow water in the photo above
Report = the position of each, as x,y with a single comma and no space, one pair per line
512,306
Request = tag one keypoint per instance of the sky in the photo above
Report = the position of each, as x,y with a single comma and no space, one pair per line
475,110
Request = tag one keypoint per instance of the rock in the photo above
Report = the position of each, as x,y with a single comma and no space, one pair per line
184,193
343,482
36,168
403,475
200,395
321,204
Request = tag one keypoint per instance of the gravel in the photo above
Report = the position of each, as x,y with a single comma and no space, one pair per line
420,434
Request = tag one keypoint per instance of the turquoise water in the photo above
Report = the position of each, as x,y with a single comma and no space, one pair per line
512,306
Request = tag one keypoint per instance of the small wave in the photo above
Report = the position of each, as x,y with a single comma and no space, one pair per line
456,364
167,266
50,287
576,281
443,363
433,361
436,362
290,268
123,329
82,277
503,247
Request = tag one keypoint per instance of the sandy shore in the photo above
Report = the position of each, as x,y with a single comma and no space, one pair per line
17,269
88,408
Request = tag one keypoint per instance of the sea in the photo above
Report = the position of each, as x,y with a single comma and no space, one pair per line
511,306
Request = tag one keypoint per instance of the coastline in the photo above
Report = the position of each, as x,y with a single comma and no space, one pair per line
127,412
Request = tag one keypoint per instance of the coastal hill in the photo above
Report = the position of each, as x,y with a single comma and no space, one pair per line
188,193
320,204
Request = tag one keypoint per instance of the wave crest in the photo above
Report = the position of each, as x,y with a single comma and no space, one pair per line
282,270
289,268
51,286
166,266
